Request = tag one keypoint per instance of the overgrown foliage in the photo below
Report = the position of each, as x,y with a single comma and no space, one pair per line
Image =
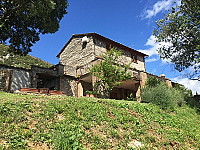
180,28
60,122
153,82
16,60
110,72
163,96
188,97
21,22
187,93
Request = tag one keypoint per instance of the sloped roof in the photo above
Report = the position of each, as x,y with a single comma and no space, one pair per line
107,40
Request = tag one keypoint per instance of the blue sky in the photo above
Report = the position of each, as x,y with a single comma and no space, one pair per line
129,22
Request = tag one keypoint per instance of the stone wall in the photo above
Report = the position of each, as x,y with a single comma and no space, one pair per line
20,78
12,79
68,85
76,54
169,83
5,77
126,59
100,47
82,70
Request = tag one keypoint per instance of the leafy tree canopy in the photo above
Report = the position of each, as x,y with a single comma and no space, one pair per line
110,72
21,21
153,82
180,28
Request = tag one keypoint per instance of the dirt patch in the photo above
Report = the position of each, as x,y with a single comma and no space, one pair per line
113,143
38,99
111,115
60,117
38,146
134,113
98,130
87,146
32,124
3,142
174,144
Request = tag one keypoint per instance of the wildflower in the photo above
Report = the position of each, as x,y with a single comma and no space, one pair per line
124,113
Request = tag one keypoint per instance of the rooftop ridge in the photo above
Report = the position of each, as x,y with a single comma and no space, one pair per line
105,38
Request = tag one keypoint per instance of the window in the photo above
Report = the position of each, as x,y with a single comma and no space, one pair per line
134,58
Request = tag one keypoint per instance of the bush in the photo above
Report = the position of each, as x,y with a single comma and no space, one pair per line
186,93
131,98
162,95
153,81
188,97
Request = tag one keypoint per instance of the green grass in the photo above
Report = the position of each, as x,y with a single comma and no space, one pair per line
20,61
60,122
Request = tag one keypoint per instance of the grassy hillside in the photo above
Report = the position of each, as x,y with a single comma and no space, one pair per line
20,61
60,122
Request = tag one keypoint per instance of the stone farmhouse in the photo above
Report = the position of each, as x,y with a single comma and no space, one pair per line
71,75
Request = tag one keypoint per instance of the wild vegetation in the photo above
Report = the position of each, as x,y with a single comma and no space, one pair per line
19,60
163,96
157,92
60,122
109,72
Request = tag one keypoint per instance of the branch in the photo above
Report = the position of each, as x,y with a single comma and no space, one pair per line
198,79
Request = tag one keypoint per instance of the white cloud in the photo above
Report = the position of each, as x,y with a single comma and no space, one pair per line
193,85
154,46
151,42
152,60
158,7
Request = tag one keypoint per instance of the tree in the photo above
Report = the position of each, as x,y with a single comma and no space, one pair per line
110,72
180,28
153,82
21,21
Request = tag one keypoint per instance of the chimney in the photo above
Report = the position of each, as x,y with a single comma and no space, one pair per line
162,76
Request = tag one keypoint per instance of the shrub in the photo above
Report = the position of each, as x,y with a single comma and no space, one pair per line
152,82
188,97
186,93
162,95
131,98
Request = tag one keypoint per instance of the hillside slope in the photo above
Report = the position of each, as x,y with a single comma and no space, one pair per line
11,59
60,122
